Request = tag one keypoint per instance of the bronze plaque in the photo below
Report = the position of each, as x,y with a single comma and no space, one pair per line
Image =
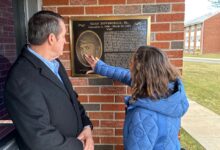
111,39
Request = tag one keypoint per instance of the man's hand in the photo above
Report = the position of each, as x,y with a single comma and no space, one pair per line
86,138
91,60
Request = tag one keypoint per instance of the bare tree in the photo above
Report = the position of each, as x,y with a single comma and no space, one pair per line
215,3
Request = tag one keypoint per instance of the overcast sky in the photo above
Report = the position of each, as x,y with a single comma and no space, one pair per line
196,8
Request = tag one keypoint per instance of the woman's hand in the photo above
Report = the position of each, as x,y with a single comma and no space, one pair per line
91,60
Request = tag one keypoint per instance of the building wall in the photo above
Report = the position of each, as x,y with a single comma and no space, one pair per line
193,38
103,98
7,35
7,55
211,32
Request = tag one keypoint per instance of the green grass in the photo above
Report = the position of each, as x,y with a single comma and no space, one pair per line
188,143
201,81
202,56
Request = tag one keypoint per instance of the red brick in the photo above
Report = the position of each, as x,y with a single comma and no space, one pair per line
65,56
112,123
83,98
79,81
119,132
211,34
111,140
71,10
101,2
119,99
119,147
152,17
66,47
160,27
177,63
67,29
112,107
161,45
117,83
54,9
177,27
113,90
166,1
129,90
55,2
67,38
101,115
83,2
170,17
178,7
101,98
99,10
87,90
108,132
120,115
174,54
66,20
95,123
170,36
96,139
140,1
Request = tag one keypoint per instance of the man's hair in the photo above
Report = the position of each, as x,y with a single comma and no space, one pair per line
41,24
151,73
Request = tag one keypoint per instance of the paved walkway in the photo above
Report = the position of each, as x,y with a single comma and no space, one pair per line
203,125
205,60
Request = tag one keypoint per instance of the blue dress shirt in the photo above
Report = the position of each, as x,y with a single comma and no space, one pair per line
53,65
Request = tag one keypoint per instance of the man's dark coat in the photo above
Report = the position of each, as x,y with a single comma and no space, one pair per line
45,111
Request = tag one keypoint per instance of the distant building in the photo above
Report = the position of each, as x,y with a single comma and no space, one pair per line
202,35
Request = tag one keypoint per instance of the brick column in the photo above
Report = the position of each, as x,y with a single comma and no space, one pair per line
103,98
7,55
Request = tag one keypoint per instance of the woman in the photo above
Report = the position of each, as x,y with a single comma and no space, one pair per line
157,103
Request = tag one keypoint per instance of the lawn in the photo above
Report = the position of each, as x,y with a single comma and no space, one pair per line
201,81
188,143
202,56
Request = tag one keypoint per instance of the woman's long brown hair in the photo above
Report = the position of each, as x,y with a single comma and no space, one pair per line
151,73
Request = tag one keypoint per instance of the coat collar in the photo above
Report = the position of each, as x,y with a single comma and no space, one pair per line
44,70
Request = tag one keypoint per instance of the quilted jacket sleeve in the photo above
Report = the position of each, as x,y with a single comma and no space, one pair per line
140,130
116,73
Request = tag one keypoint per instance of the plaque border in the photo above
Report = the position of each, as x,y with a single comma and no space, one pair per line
107,18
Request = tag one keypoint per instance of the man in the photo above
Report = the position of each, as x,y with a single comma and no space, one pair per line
39,95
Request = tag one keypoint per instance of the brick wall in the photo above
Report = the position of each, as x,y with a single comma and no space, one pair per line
7,33
211,36
103,98
7,54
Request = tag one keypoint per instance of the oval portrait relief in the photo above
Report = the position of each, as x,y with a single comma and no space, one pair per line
88,43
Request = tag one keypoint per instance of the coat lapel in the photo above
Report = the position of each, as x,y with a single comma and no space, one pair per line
44,70
71,92
53,78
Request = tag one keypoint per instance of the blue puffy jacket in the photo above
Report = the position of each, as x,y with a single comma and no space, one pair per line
150,124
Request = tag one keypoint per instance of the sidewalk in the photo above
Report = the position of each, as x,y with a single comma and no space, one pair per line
198,59
203,125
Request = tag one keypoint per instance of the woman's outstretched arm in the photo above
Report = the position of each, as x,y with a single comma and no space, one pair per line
116,73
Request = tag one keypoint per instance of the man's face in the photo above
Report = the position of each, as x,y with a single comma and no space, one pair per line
61,40
87,48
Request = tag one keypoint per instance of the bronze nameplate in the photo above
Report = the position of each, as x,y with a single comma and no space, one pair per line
113,39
